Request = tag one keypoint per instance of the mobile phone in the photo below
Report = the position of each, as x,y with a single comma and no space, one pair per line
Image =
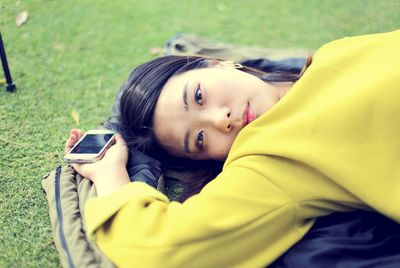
90,147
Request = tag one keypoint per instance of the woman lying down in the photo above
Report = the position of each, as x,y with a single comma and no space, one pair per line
293,149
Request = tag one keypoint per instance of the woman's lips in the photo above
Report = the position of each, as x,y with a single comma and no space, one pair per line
249,115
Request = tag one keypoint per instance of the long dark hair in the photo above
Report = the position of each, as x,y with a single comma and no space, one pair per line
138,100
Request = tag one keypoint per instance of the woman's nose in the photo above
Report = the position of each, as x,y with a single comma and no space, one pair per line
221,119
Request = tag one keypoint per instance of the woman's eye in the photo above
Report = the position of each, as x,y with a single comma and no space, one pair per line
200,140
198,95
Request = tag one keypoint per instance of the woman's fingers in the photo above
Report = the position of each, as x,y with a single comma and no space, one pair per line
119,140
74,136
69,143
77,133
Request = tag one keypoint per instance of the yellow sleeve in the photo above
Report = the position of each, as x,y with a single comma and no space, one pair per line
239,219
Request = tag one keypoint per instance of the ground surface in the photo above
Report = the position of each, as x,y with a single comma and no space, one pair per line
73,55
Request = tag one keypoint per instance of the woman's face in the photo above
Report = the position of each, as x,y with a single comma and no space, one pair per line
199,113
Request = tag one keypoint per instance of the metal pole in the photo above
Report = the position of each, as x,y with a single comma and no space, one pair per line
9,83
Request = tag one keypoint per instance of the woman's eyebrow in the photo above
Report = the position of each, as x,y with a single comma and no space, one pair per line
186,106
186,141
185,96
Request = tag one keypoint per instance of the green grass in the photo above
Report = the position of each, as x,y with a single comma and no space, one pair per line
75,54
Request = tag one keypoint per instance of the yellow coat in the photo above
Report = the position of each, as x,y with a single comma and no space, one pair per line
331,144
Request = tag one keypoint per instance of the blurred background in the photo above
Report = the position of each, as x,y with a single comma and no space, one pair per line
68,59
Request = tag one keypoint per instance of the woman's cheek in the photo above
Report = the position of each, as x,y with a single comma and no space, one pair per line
220,147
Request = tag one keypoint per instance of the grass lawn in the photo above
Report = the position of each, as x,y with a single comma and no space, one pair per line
73,55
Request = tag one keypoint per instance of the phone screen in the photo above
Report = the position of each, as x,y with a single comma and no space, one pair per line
92,144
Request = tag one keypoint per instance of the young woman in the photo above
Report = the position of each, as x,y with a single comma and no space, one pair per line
293,152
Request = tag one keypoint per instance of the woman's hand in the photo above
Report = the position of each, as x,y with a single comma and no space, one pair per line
115,157
109,173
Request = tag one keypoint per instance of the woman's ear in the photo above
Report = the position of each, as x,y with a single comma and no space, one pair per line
224,64
215,63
